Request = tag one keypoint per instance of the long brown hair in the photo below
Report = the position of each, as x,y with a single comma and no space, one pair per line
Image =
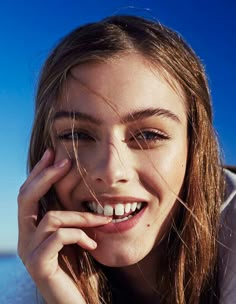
192,245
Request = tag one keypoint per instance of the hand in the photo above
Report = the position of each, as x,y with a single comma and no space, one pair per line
38,246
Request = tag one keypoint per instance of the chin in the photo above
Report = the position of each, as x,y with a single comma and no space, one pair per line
118,256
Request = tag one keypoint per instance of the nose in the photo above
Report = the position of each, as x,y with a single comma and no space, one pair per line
112,166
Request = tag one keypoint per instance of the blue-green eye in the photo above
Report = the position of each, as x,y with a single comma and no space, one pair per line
147,135
147,139
76,136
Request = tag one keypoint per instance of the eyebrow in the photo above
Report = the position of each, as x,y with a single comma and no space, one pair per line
131,117
77,116
150,112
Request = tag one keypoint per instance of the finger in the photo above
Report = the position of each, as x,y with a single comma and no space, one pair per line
40,185
46,254
54,220
45,161
66,236
28,197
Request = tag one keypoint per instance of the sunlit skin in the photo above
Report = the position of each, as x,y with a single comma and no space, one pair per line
142,158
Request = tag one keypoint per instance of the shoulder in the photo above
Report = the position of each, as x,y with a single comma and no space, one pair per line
227,242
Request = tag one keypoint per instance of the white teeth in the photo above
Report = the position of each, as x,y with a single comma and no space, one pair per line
120,220
139,205
133,206
108,210
119,209
99,209
127,208
94,206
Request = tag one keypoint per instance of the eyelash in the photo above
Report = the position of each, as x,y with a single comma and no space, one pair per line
151,136
143,137
75,135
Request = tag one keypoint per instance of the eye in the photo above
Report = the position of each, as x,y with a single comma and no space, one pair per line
76,135
146,139
150,135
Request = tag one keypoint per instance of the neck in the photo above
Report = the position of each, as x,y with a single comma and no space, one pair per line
140,280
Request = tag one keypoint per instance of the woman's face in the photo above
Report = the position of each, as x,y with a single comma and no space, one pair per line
129,153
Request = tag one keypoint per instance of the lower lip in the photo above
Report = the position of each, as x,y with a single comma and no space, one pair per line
122,226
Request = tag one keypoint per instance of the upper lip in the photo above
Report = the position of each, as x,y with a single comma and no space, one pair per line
110,199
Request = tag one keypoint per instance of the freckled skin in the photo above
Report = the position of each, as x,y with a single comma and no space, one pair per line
113,163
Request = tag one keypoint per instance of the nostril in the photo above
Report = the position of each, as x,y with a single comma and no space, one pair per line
123,180
110,172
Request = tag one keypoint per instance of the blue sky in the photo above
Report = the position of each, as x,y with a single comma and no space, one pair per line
29,30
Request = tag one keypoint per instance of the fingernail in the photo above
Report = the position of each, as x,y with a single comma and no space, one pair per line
108,219
61,163
46,154
93,244
103,218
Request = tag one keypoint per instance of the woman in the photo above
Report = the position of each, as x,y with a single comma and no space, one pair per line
122,203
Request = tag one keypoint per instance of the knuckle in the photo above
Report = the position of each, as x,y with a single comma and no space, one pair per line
47,174
59,234
51,218
44,174
80,234
21,187
21,195
86,216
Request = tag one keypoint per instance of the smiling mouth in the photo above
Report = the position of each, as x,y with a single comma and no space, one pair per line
119,212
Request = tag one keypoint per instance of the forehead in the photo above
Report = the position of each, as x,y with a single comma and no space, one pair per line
125,84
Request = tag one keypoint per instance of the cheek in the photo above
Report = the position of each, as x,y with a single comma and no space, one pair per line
174,168
81,156
66,186
164,172
62,151
81,161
